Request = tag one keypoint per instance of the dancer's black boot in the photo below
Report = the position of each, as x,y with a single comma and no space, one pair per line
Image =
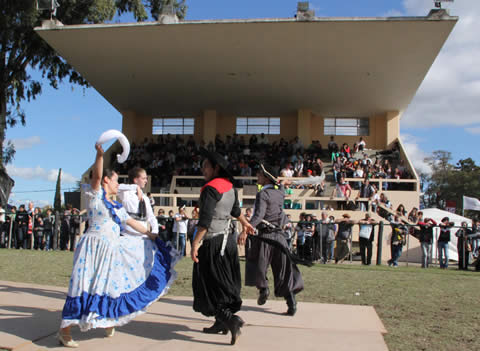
235,323
291,303
232,322
216,328
263,294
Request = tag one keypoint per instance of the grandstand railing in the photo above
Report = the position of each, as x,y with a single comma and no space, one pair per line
192,192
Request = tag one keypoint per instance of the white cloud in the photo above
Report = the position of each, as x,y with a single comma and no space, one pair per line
39,173
415,154
26,143
473,130
450,93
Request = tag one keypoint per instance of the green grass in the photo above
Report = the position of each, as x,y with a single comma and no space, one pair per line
422,309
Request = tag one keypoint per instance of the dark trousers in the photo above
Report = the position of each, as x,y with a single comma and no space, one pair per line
47,234
366,250
3,234
38,240
21,237
463,259
73,240
259,256
64,238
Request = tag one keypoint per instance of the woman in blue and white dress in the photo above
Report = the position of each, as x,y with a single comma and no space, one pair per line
114,278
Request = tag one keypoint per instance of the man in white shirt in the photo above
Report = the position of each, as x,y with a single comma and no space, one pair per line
180,229
136,203
287,171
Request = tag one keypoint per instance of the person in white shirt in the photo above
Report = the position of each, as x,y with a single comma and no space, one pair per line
361,144
136,203
180,228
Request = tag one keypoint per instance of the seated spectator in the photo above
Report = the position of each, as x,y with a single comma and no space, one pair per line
361,144
287,171
345,151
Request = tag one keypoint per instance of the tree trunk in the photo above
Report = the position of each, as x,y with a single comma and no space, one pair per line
3,105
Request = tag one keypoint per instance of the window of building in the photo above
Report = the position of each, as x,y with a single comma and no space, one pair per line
258,125
346,126
163,126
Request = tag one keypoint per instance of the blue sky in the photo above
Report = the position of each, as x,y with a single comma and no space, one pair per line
63,124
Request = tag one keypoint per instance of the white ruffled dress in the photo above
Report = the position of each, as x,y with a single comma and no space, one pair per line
114,278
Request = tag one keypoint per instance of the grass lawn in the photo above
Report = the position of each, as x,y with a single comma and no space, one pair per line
422,309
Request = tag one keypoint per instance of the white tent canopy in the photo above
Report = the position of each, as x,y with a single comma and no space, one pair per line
437,216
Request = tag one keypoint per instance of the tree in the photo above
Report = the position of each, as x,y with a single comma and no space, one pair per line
57,201
451,182
22,49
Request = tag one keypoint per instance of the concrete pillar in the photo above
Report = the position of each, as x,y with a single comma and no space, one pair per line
128,125
209,125
304,123
393,127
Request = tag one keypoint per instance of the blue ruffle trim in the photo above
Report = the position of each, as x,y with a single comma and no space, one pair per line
127,303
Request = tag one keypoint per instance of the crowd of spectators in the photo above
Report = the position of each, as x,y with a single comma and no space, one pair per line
33,228
173,155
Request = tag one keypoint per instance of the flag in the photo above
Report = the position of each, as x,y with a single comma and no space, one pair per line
471,203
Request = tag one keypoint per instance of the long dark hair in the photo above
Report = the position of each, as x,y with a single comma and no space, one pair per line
107,172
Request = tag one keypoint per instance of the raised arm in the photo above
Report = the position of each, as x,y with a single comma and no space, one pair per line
97,169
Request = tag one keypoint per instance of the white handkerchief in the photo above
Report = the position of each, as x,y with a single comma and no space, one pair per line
115,134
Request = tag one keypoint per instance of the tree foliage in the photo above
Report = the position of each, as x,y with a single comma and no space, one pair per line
450,182
22,49
57,200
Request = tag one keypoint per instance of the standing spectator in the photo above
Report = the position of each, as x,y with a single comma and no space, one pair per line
11,227
31,208
463,247
322,235
65,228
248,214
366,236
443,241
342,190
399,232
332,146
343,237
162,225
332,231
74,228
413,215
300,235
192,225
425,237
48,228
288,231
151,199
309,230
476,240
367,191
21,220
170,223
38,229
180,229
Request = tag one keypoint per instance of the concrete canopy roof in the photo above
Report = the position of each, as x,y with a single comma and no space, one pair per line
334,66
